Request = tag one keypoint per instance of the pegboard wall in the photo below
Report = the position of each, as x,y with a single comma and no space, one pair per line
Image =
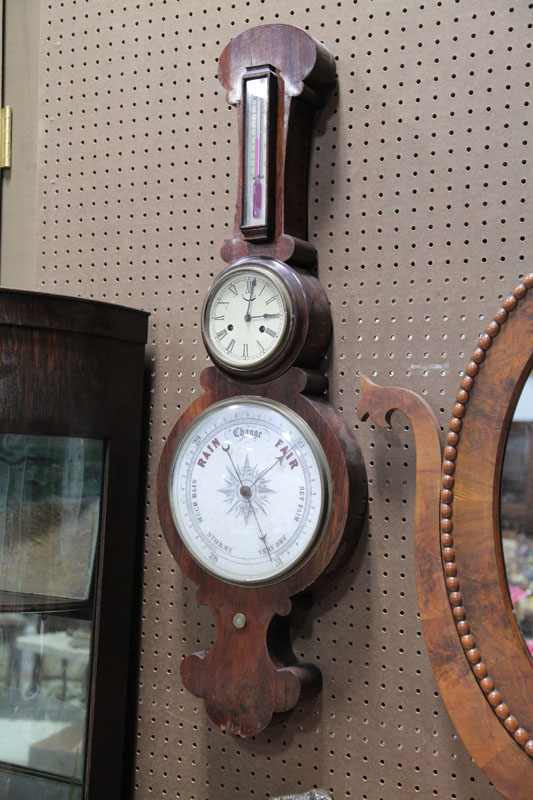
419,209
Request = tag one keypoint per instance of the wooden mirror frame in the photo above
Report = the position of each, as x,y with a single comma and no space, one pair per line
482,665
488,688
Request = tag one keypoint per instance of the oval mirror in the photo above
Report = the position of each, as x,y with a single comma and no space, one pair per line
516,512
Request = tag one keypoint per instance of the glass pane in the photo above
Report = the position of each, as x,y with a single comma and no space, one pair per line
28,787
516,512
49,514
44,689
50,490
255,151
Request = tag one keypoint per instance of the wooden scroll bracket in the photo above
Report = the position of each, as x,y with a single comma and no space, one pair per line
245,679
303,71
378,402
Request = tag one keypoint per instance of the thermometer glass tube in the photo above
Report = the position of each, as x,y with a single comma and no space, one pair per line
255,178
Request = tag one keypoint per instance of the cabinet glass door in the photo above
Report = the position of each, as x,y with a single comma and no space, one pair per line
50,490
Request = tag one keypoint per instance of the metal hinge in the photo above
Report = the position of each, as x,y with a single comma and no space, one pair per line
6,114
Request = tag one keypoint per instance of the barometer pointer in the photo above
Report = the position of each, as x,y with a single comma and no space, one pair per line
245,492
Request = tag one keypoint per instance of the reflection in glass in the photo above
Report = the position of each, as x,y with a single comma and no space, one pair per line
50,489
517,510
14,786
44,685
49,512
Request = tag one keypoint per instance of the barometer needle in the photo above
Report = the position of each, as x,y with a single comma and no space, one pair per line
263,535
248,488
278,459
226,450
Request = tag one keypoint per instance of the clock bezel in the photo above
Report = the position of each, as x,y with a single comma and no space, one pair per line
308,309
317,450
288,312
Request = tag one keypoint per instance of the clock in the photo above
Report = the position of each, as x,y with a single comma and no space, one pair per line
258,467
261,486
260,316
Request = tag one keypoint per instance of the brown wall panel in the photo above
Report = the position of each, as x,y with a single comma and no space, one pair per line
419,209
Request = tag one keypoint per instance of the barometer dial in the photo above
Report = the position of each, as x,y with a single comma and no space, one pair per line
257,500
249,490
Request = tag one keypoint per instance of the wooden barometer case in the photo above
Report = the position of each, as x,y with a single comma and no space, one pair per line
261,487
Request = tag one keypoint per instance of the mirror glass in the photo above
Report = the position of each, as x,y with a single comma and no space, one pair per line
517,511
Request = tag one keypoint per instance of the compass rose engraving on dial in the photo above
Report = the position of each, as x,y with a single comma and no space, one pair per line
260,481
247,489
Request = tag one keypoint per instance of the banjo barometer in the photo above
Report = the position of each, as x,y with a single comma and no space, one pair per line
261,487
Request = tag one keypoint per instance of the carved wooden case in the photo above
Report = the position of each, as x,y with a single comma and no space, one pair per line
304,70
251,674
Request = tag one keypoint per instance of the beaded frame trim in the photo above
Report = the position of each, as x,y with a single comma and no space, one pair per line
472,653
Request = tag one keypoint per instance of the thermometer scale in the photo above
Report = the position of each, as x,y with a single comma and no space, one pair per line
259,153
277,77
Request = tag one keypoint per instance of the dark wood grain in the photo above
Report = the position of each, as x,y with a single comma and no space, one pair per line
71,314
70,367
243,678
251,675
310,332
305,72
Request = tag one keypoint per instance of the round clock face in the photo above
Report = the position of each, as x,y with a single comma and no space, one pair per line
247,317
249,490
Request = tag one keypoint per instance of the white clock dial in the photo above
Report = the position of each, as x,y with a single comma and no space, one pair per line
249,490
247,317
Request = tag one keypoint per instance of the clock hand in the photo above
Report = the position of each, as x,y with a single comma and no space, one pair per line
247,316
264,316
278,459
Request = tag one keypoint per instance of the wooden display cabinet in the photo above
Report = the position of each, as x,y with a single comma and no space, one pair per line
71,374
